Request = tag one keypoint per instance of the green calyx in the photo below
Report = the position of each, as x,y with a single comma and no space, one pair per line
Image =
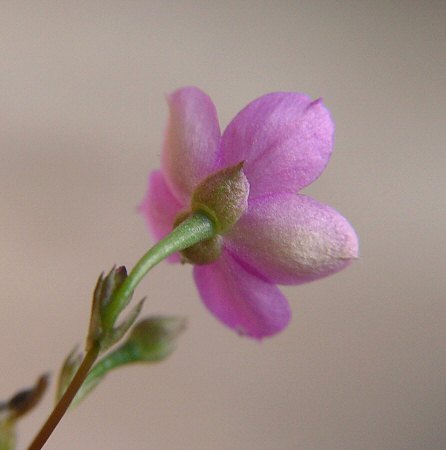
203,252
223,198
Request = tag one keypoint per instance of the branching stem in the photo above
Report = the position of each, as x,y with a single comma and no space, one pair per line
64,403
198,227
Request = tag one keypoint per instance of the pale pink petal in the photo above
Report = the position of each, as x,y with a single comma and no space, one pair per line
160,208
285,140
192,141
240,299
292,239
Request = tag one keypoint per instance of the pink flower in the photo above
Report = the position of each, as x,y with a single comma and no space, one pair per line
285,141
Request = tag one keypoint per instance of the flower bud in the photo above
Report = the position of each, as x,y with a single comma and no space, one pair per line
154,338
102,296
24,401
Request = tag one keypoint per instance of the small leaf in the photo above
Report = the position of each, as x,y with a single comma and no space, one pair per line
67,372
117,333
87,387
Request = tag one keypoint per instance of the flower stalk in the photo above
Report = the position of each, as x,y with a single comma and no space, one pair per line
197,228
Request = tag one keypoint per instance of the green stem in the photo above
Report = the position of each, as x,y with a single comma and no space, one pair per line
196,228
63,404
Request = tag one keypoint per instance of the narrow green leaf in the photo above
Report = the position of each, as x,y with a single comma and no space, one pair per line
67,372
117,333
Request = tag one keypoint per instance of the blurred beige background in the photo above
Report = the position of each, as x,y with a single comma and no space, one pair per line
82,114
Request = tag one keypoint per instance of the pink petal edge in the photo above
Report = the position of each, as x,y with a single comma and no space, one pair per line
241,300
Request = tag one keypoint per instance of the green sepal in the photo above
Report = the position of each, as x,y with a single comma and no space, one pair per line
151,340
223,196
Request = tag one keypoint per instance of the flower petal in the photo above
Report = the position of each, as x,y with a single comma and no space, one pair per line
192,140
160,208
292,239
285,140
241,300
